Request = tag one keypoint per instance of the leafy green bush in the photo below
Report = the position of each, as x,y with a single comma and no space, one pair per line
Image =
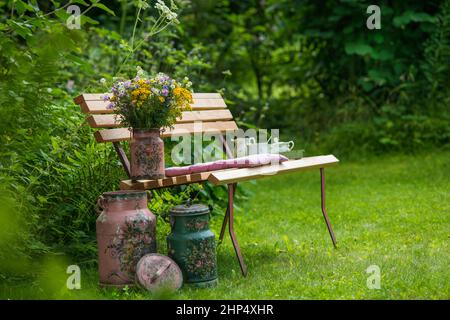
51,169
313,69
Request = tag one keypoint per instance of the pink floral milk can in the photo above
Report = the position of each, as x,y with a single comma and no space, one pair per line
126,231
147,155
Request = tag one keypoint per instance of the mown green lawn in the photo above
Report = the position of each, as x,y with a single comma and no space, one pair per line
393,212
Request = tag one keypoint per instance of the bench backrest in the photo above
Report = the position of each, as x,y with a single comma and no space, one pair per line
209,108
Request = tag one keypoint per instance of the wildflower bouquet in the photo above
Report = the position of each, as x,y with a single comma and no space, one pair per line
149,103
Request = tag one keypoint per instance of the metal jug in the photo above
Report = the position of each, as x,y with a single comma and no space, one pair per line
126,231
192,244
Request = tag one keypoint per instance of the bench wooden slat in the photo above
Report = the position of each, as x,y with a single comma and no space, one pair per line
237,175
109,120
90,97
208,104
103,121
120,134
99,96
100,106
165,182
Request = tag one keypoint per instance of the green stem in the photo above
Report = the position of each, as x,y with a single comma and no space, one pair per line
12,9
87,10
157,23
123,18
51,12
134,29
63,7
154,30
160,30
152,33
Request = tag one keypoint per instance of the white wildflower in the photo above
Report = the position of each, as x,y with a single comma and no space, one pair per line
171,16
165,11
161,6
139,71
70,84
173,6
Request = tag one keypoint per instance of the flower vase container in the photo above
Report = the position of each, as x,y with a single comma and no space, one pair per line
147,155
192,245
126,231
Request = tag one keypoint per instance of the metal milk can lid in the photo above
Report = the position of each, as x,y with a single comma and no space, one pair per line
125,194
189,209
155,271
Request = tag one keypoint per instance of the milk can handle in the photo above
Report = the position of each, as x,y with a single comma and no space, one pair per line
100,205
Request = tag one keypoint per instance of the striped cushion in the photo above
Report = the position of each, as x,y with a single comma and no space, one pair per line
243,162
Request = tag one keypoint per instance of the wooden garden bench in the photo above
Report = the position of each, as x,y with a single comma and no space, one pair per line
209,109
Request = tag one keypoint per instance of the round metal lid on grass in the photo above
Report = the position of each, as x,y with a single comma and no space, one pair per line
157,272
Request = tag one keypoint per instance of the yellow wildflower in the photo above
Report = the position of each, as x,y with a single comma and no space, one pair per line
182,97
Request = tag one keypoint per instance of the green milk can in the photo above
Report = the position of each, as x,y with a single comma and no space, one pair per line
192,244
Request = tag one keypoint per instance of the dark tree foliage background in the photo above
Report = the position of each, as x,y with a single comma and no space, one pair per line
310,68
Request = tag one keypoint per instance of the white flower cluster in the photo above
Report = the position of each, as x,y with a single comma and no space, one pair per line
165,11
140,72
186,82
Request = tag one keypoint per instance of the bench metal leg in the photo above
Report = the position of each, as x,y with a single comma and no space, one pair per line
123,158
229,154
224,225
324,210
229,217
226,217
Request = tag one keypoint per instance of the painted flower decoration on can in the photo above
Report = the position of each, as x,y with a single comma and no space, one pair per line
149,102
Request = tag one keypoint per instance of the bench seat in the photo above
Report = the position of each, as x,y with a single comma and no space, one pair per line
228,176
